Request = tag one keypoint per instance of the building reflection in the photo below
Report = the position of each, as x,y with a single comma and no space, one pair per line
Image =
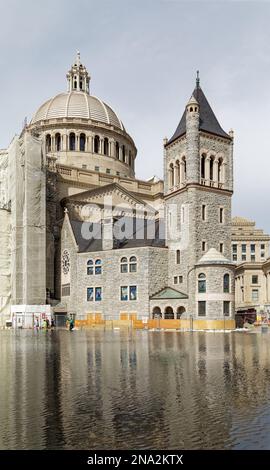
132,389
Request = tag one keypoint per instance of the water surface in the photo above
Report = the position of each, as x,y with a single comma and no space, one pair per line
115,389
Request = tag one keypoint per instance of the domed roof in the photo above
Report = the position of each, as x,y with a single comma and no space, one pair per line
77,104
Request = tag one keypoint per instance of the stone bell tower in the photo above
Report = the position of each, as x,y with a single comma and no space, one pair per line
198,166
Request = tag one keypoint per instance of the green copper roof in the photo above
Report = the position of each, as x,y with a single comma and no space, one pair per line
169,293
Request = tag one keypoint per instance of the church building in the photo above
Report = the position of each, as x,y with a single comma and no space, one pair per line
81,236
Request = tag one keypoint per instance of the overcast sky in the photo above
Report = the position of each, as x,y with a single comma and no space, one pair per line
143,57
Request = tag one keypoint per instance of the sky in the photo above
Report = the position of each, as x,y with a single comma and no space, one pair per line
142,57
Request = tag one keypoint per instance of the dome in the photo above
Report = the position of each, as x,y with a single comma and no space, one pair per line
77,104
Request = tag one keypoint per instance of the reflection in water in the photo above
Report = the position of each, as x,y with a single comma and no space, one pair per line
116,389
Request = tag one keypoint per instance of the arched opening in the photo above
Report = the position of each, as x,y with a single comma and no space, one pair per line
82,142
202,283
124,265
185,169
220,162
72,141
57,142
203,167
133,264
96,144
90,267
212,168
98,266
48,143
156,312
171,171
168,314
124,154
180,311
106,146
117,150
129,158
177,169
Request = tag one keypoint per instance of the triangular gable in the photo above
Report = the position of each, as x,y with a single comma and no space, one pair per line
169,293
119,196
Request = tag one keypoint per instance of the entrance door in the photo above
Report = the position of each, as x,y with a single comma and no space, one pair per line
60,320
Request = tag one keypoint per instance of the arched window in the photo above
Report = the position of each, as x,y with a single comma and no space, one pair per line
212,168
168,314
82,142
179,312
48,143
201,283
57,142
98,266
220,161
106,146
124,265
129,158
171,175
117,150
157,312
177,175
72,141
185,168
90,267
226,284
124,153
203,167
133,264
96,144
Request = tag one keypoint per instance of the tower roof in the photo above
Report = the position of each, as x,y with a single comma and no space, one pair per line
208,120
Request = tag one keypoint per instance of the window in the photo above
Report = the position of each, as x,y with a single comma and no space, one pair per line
48,143
133,293
98,266
203,167
124,293
84,167
262,254
253,258
255,295
129,158
117,150
98,294
96,144
72,141
252,248
82,142
226,283
203,246
226,308
124,265
96,168
128,293
221,247
244,248
203,212
65,290
180,279
211,168
124,154
175,279
133,264
57,142
234,257
244,257
234,248
108,171
201,283
118,173
254,279
90,267
263,246
202,308
221,215
106,146
177,256
90,294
